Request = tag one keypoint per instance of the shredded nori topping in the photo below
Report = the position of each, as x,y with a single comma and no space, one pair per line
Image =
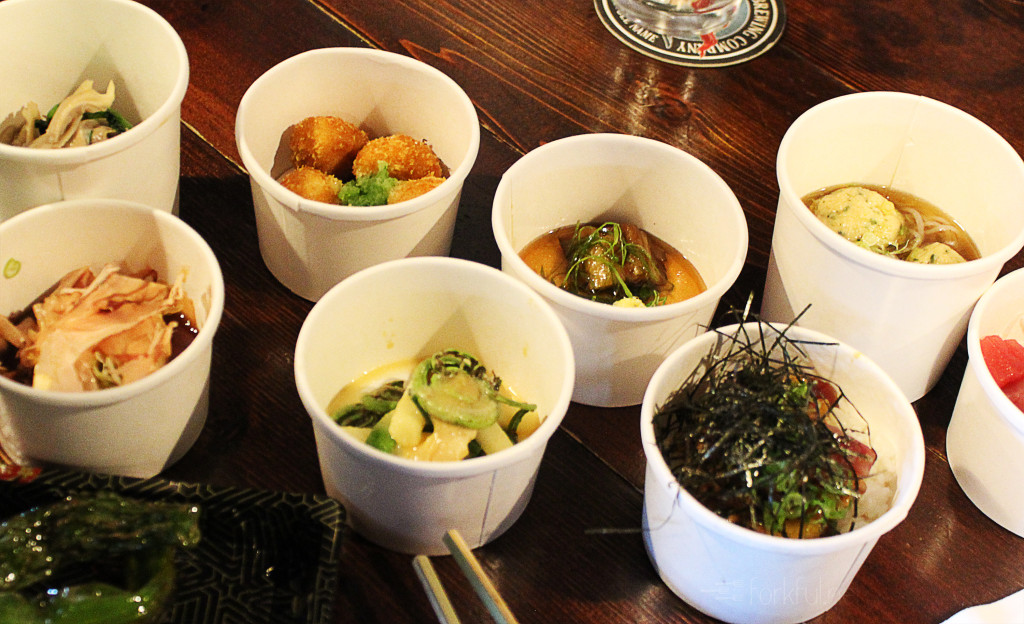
753,435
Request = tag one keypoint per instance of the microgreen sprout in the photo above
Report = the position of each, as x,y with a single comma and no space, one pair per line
604,251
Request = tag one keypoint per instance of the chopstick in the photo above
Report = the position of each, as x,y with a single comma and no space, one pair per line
471,568
435,590
478,578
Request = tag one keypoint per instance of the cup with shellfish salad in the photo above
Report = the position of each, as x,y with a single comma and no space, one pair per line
91,103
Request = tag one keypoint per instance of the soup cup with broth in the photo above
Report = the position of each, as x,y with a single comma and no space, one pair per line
566,188
907,316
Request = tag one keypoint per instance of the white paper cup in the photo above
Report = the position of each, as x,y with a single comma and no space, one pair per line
48,48
985,440
139,428
657,187
907,317
738,575
310,246
412,308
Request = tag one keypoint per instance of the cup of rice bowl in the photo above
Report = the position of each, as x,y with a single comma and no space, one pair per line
735,573
49,49
138,428
908,317
312,244
407,310
985,440
631,181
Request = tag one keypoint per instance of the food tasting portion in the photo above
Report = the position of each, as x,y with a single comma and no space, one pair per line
534,74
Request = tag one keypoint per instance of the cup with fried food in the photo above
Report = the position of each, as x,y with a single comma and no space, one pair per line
355,157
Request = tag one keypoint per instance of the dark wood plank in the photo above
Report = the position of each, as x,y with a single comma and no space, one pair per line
231,43
966,56
257,432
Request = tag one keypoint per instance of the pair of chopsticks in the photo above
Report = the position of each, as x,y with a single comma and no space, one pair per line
482,585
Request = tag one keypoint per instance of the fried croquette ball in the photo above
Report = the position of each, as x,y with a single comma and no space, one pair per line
407,158
329,144
862,216
312,184
407,189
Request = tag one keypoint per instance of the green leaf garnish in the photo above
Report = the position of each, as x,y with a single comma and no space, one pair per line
371,407
371,190
604,251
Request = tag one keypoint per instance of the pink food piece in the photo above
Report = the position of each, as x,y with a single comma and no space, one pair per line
1004,358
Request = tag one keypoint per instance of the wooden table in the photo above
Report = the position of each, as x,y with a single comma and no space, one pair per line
539,70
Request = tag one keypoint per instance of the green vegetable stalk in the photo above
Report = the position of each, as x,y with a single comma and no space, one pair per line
100,602
372,407
115,120
455,387
129,544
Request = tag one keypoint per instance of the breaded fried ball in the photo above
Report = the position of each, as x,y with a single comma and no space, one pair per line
312,184
407,158
407,189
329,144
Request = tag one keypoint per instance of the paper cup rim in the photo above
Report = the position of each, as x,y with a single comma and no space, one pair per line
908,481
520,451
292,200
583,306
203,340
88,153
877,262
1007,411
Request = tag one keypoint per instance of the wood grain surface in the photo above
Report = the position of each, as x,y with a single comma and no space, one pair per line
538,70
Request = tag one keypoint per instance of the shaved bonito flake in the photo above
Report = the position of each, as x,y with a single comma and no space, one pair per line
97,330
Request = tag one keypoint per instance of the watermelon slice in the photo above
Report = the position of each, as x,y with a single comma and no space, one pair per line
1004,358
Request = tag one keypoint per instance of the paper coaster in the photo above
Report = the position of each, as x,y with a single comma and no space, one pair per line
754,29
